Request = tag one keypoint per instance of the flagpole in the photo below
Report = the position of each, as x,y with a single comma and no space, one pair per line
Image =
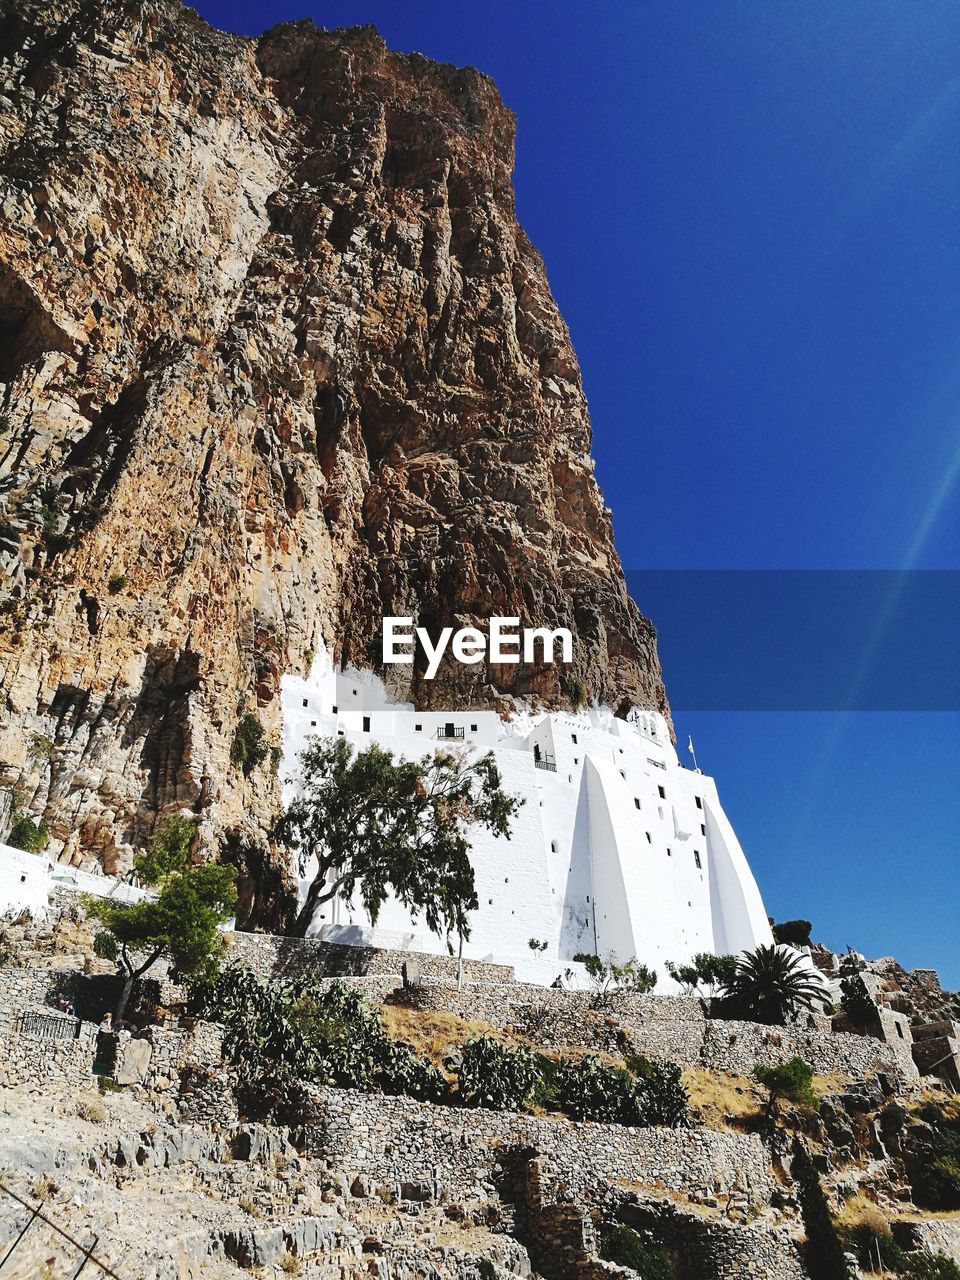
692,752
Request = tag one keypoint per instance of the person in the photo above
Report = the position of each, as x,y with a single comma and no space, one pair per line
106,1026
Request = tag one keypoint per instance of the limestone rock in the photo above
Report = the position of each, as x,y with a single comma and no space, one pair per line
277,360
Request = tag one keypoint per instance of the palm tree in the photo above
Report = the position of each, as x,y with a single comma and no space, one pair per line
771,983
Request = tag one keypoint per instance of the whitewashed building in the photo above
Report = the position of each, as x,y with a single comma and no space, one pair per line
617,850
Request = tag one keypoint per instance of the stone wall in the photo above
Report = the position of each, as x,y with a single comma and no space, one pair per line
271,956
669,1027
455,1151
936,1235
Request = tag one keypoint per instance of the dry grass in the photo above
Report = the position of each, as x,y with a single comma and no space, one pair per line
861,1212
91,1109
433,1034
724,1100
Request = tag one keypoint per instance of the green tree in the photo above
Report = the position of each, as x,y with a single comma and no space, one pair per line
771,984
611,979
181,922
704,970
792,933
249,747
792,1080
375,823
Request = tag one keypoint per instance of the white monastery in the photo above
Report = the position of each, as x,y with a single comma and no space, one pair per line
618,850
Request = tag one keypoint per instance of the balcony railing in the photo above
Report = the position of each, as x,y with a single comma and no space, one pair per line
546,762
449,731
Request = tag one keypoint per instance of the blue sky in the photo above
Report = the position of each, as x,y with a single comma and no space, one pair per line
750,215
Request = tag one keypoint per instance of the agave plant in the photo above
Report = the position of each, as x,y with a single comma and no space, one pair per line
771,984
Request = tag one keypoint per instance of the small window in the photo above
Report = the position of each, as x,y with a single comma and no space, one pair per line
576,759
623,775
305,702
334,708
553,846
649,838
588,897
669,852
899,1031
636,801
366,724
473,728
699,802
354,693
418,728
696,858
574,737
313,724
703,829
663,792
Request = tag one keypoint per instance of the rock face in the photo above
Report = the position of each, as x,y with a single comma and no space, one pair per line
275,360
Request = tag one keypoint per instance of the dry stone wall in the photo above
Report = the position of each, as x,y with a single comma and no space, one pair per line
455,1152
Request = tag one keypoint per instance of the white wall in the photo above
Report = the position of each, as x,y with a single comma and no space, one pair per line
585,869
27,880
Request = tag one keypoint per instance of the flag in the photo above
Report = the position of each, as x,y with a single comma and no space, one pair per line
690,744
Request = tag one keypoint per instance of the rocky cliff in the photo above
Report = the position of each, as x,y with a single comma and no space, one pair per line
276,359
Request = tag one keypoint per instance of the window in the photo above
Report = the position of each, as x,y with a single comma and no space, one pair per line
553,846
418,728
366,724
354,693
649,838
574,737
576,759
305,702
669,852
636,801
699,802
663,792
313,724
696,858
899,1030
473,728
703,829
623,775
334,708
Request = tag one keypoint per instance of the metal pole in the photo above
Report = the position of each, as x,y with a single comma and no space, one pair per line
87,1256
30,1221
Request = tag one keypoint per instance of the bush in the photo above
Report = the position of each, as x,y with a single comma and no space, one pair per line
642,1093
857,1002
793,933
610,979
283,1036
574,688
249,747
926,1266
622,1245
791,1080
28,835
116,582
936,1185
104,945
491,1075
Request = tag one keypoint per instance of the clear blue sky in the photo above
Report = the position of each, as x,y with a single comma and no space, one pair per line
750,215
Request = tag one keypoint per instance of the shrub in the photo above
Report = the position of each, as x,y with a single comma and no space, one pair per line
116,583
105,945
622,1245
610,979
704,970
642,1093
90,1109
491,1075
936,1184
793,933
39,750
791,1080
926,1266
574,689
249,747
856,1001
291,1264
284,1035
28,835
771,984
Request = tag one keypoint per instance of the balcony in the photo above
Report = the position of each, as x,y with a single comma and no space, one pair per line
545,762
449,731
